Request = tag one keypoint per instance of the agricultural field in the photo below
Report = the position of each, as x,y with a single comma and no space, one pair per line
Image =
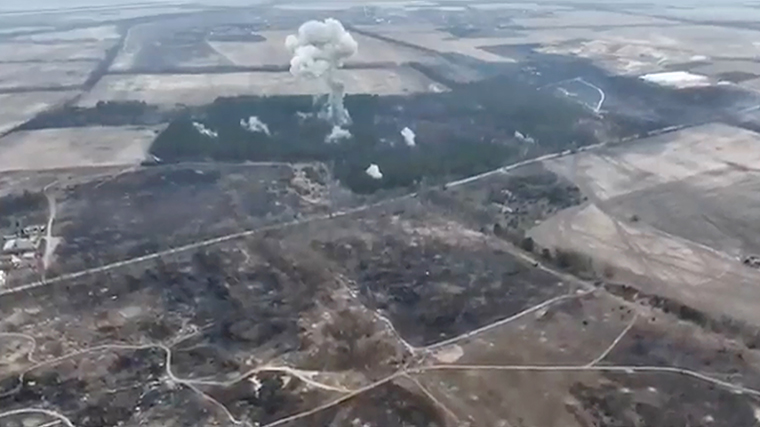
674,211
519,7
75,147
18,108
151,47
39,75
272,51
430,38
57,52
589,19
198,89
717,12
102,33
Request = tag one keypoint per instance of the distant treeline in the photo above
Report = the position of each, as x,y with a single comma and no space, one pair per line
466,131
110,113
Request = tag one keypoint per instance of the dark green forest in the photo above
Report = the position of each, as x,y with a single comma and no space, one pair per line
459,133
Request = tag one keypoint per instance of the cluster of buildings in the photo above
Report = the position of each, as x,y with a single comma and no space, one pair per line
21,249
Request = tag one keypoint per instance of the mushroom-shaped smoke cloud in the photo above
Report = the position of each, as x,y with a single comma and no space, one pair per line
319,49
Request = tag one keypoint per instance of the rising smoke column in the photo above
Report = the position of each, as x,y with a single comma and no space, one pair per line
319,49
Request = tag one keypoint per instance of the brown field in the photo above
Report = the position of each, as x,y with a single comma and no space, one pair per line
273,52
674,213
16,108
648,48
45,74
75,51
340,5
101,33
75,147
622,56
588,19
715,12
195,89
428,37
518,6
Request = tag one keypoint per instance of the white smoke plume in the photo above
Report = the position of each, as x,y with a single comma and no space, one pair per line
319,49
255,125
409,137
374,171
203,130
337,134
303,116
524,138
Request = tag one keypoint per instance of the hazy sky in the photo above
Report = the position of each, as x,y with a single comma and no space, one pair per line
46,4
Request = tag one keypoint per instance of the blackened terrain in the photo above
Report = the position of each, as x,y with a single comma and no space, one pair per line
463,132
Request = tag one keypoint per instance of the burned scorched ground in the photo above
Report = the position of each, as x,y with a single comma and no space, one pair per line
137,212
309,324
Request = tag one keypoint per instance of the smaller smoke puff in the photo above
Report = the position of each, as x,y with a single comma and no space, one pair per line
303,116
374,171
203,130
409,137
337,134
524,138
255,125
436,88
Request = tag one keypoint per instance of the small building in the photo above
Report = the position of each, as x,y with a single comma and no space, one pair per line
19,246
